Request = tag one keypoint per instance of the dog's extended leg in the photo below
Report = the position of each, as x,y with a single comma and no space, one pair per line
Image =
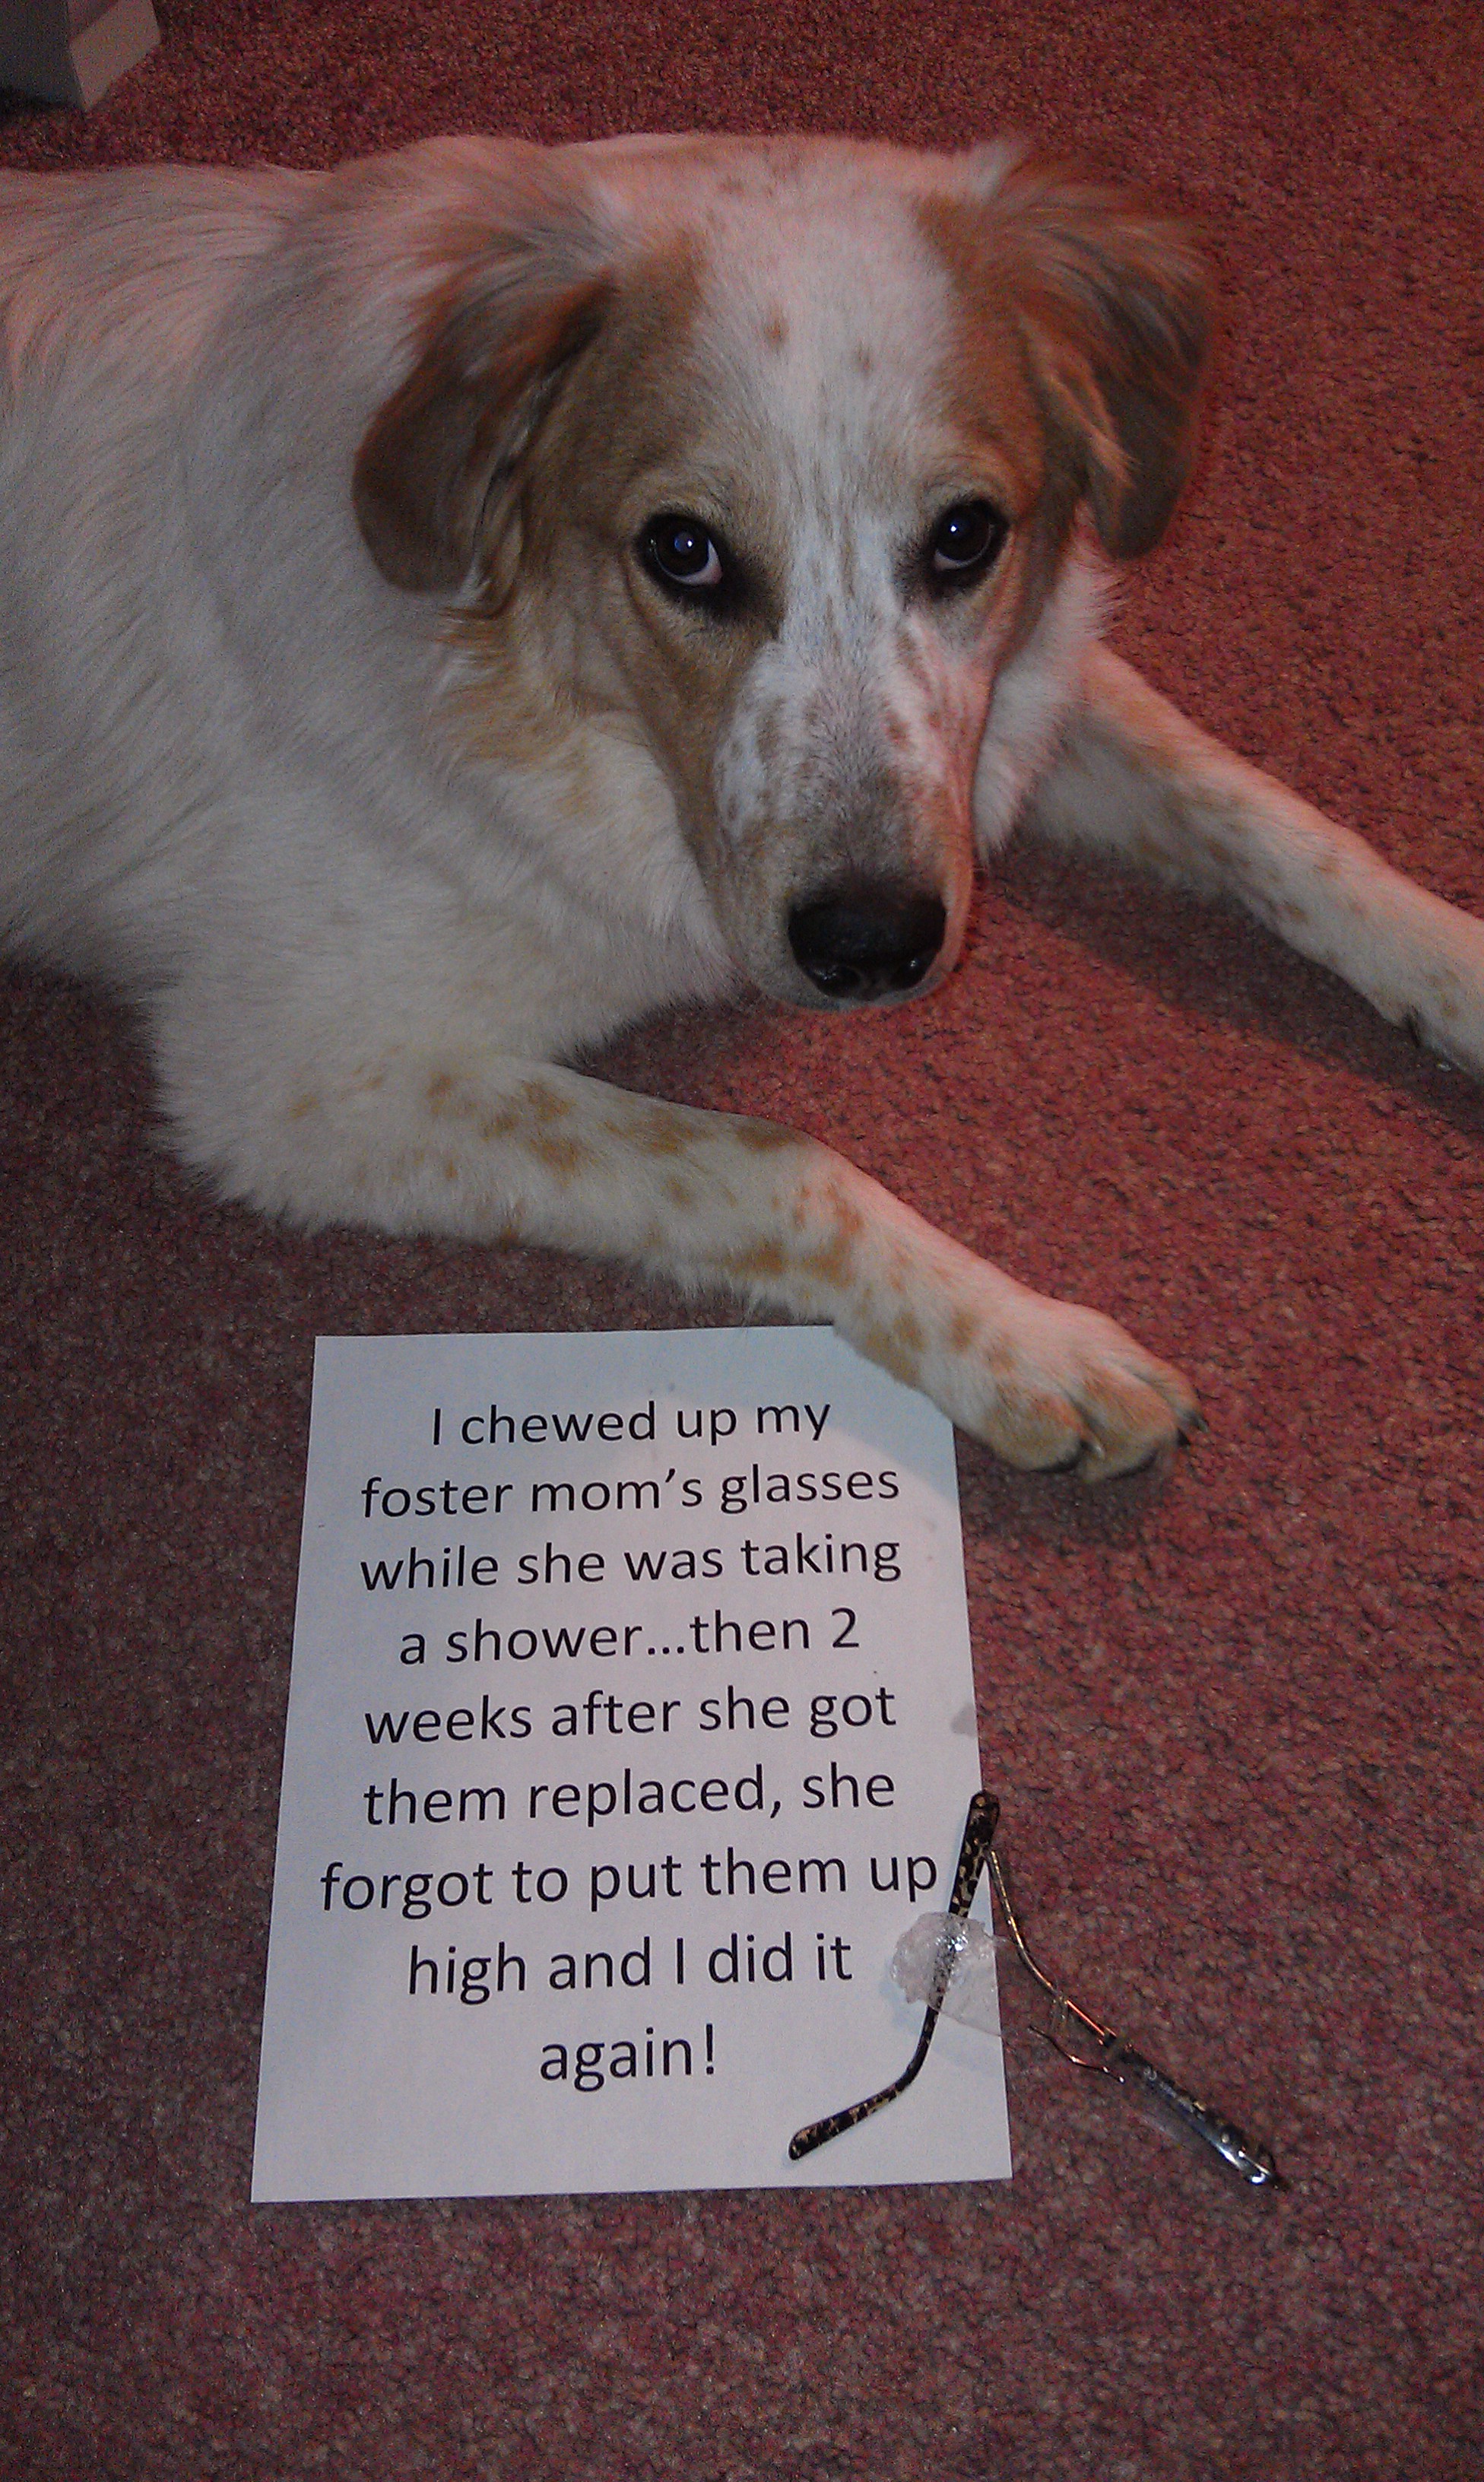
1134,778
417,1139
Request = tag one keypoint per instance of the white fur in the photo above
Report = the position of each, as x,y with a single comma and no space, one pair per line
238,775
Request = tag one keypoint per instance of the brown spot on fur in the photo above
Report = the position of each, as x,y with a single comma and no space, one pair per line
303,1107
681,1193
963,1328
768,733
546,1103
915,659
833,1262
564,1158
653,1129
764,1259
1446,991
1223,856
775,331
763,1137
439,1088
849,1218
884,1347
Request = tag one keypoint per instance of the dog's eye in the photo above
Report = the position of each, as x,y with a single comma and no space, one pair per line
966,539
679,551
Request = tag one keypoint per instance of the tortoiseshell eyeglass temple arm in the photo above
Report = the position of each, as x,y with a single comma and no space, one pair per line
973,1858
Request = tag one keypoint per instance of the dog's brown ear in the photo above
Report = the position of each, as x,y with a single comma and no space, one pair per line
499,332
1114,304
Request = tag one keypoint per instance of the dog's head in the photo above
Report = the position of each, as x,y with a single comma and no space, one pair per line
770,454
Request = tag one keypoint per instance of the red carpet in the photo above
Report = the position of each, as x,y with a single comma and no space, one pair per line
1235,1723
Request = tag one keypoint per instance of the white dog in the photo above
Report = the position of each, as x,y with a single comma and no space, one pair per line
454,605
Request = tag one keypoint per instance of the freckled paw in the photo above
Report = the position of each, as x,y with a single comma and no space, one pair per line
1452,1049
1438,997
1136,1421
1092,1401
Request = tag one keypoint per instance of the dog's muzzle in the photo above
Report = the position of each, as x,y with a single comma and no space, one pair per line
865,941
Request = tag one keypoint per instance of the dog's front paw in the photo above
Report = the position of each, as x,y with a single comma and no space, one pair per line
1073,1390
1438,993
1048,1384
1456,1038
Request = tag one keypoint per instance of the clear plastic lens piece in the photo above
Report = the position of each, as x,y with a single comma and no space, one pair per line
942,1963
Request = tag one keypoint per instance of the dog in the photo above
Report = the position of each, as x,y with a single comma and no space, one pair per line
456,604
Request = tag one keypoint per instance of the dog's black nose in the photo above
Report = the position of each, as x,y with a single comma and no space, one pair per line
863,942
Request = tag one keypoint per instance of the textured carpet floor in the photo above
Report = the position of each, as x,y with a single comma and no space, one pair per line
1236,1722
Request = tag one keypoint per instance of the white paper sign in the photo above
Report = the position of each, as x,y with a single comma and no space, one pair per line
631,1722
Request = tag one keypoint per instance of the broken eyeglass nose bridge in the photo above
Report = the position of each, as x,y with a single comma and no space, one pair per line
1073,2032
